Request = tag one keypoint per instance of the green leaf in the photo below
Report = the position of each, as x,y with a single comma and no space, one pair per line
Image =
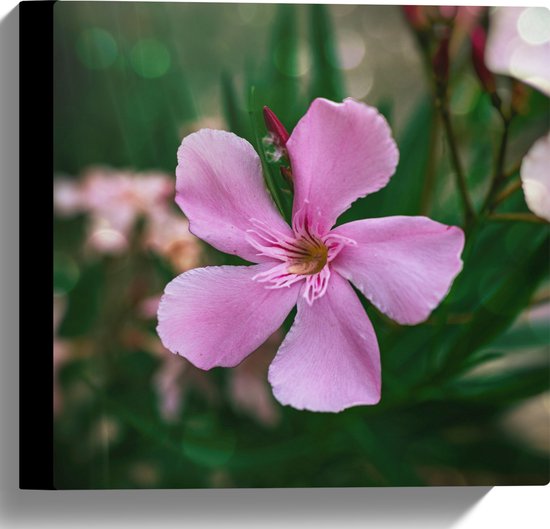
327,78
65,272
381,451
502,388
282,66
83,306
233,113
500,309
212,449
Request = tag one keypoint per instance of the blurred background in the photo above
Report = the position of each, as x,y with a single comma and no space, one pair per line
465,395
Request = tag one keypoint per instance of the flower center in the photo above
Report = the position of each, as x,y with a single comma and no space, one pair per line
311,259
303,257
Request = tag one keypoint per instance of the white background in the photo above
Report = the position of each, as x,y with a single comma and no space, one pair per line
459,508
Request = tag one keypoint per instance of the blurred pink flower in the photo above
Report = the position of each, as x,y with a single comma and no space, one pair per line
67,197
535,178
167,234
218,315
114,200
248,388
518,45
175,377
148,307
61,353
173,381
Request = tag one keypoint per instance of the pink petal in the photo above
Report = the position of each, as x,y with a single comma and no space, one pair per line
216,316
220,187
339,152
329,360
403,265
535,178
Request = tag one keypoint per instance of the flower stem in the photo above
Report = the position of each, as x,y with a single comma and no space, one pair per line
460,177
429,179
499,177
516,217
507,192
438,76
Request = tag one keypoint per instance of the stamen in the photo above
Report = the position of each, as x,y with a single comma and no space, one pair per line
303,257
335,243
316,285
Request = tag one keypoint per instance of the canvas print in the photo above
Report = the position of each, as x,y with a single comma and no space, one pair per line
300,245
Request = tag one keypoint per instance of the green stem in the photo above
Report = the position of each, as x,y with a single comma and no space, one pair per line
516,217
499,177
429,180
460,177
440,88
506,193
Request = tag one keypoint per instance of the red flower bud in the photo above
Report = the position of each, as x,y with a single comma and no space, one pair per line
478,39
415,17
275,127
440,61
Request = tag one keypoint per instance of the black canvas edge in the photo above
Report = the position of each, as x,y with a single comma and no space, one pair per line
36,248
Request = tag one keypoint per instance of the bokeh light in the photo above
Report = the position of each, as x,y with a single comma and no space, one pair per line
150,58
247,12
534,25
96,48
351,49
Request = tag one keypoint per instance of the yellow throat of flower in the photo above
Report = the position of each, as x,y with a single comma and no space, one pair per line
312,259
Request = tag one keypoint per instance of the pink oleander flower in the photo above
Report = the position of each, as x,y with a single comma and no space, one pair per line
535,178
518,45
218,315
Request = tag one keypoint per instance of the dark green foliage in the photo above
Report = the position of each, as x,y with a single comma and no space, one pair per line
498,311
327,77
84,302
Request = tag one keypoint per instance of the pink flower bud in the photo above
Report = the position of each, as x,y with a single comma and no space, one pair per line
275,127
478,39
